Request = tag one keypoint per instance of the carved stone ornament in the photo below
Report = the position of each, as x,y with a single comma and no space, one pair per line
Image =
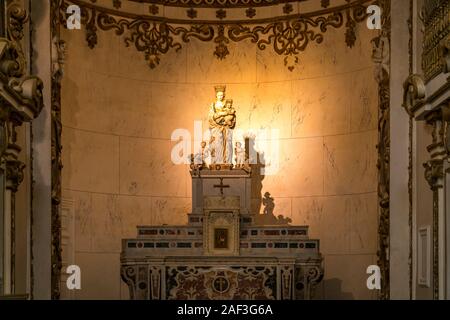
414,91
434,173
21,101
155,36
381,59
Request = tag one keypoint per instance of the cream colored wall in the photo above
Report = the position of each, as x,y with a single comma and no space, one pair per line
118,116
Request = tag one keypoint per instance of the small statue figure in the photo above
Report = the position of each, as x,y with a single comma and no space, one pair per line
222,121
192,161
229,114
239,152
269,204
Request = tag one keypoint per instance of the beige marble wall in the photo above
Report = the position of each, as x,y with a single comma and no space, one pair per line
118,116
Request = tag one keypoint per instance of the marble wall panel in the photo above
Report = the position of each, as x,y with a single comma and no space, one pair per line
100,274
107,104
130,107
364,222
350,163
79,56
133,212
302,161
352,219
146,168
309,211
345,277
91,161
237,67
101,220
171,211
322,106
364,101
86,99
177,106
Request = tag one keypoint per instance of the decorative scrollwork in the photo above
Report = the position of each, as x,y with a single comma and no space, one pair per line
156,36
436,38
16,19
381,58
217,3
413,92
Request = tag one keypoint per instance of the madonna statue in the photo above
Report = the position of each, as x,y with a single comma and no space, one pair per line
222,120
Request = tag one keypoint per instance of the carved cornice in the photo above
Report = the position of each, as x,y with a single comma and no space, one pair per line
212,3
156,35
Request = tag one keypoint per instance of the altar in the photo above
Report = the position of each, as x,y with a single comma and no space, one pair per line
225,251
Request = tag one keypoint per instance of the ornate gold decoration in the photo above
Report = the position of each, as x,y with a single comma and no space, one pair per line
250,12
434,174
436,17
218,3
413,92
410,152
439,119
381,57
20,101
192,13
155,36
58,52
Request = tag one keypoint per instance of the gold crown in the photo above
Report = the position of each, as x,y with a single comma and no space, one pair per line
220,88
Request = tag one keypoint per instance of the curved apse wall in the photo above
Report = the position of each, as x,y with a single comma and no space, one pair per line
118,116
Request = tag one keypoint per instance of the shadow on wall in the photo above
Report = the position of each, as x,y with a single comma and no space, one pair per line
332,290
268,216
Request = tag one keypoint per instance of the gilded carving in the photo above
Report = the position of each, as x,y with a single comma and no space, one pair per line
156,36
413,92
20,101
381,58
436,18
57,55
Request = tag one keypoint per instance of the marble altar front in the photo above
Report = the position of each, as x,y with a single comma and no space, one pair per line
222,252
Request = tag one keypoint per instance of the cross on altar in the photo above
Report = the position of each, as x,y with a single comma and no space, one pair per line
221,186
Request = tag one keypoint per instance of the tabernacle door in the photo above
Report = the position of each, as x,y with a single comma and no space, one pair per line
221,226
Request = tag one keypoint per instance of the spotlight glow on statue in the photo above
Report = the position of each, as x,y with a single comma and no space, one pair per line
222,120
214,148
